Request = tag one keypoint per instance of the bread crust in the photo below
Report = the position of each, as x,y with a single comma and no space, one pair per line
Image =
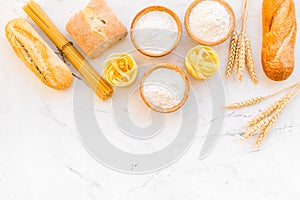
37,55
279,35
96,28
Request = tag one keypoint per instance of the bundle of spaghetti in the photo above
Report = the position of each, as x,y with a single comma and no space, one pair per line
89,74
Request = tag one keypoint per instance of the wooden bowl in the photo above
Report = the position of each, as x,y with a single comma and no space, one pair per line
151,9
208,43
171,67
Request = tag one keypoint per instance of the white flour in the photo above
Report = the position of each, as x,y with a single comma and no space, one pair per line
164,88
209,21
156,32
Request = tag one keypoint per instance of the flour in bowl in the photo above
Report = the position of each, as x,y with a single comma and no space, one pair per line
156,32
164,88
209,21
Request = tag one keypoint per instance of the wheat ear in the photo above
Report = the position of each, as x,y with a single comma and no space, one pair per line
263,123
262,136
237,54
266,112
241,56
246,103
250,61
254,129
274,118
232,53
257,100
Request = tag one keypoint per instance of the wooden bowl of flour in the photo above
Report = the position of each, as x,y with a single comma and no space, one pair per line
147,11
172,82
192,19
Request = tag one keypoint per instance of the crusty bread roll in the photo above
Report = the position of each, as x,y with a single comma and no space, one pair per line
279,35
96,28
37,55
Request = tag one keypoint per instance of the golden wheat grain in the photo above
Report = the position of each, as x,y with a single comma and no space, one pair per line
262,136
250,61
237,54
241,56
262,124
274,117
265,113
232,53
246,103
254,129
268,111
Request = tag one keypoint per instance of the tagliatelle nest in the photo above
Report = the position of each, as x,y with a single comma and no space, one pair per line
202,62
120,70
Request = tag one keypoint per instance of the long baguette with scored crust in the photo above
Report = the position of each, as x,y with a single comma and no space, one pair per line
279,35
96,28
37,55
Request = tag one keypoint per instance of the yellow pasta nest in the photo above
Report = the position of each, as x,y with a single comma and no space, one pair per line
202,62
120,70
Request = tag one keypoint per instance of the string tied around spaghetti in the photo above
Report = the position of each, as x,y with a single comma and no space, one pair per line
62,49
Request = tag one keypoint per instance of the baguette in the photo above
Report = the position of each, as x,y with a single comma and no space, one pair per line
279,35
37,55
96,28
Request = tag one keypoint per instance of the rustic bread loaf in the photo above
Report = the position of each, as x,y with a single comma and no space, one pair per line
37,55
279,35
96,28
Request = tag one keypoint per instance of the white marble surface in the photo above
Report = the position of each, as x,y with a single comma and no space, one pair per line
41,156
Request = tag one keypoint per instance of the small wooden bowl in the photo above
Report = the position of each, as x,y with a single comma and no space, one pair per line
150,9
171,67
208,43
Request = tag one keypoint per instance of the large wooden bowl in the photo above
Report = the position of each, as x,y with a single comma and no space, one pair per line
151,9
208,43
171,67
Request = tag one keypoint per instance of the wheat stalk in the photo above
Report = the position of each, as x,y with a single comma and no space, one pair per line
262,136
240,51
232,53
241,56
268,111
246,103
250,61
265,113
237,53
236,60
274,118
267,118
260,125
257,100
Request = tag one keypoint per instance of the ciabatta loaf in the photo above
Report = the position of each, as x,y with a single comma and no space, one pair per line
279,35
96,28
37,55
